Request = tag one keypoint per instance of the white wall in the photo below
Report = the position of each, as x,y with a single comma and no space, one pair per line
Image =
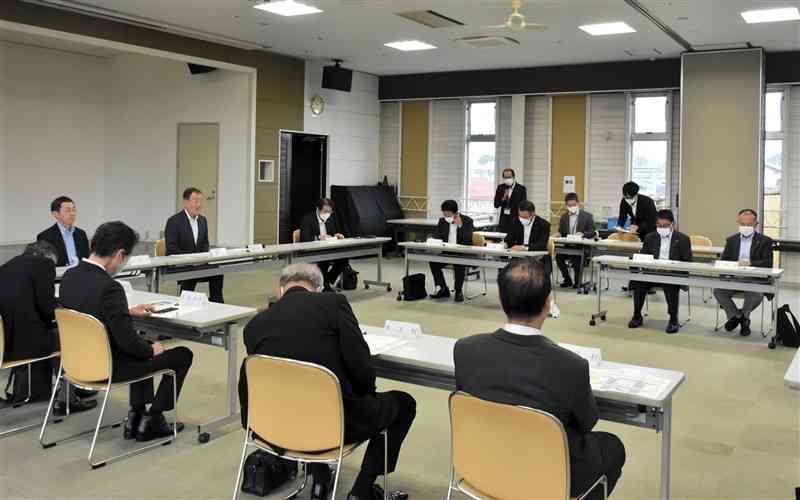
390,142
52,137
352,122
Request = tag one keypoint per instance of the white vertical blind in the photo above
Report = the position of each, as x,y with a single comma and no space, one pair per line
607,169
675,161
791,181
446,169
503,137
390,142
536,176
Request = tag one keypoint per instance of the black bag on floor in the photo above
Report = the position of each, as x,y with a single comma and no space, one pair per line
264,472
787,330
414,287
349,278
41,383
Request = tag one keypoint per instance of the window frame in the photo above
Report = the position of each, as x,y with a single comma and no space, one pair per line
633,136
781,135
469,138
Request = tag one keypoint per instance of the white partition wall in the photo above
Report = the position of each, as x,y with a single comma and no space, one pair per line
446,168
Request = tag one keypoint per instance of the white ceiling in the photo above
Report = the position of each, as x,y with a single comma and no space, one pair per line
355,30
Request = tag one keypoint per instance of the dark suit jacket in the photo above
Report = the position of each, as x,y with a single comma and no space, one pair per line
463,234
179,237
53,236
27,305
540,234
88,289
533,371
760,250
309,227
645,216
518,195
584,225
680,246
317,328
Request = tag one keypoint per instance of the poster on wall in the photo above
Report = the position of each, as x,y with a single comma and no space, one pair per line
266,170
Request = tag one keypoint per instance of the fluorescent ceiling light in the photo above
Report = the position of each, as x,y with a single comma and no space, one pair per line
288,8
409,45
771,15
607,29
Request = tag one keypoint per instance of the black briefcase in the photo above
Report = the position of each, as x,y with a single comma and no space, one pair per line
264,472
349,280
414,287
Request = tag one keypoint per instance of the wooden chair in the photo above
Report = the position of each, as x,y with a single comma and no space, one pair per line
86,364
7,365
298,407
161,248
623,237
478,240
296,236
508,452
701,241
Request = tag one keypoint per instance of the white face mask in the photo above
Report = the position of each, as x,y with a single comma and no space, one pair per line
525,222
509,182
631,201
746,230
449,220
664,231
573,210
325,216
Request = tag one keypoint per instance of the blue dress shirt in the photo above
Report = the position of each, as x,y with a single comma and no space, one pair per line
69,244
744,247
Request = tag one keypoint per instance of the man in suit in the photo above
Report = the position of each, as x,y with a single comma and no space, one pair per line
640,208
27,306
70,242
518,365
453,228
187,232
321,225
576,222
321,328
507,198
529,233
748,248
664,244
89,288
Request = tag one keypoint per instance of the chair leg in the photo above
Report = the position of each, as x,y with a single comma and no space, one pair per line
336,477
385,464
238,480
50,408
716,320
97,427
23,403
450,486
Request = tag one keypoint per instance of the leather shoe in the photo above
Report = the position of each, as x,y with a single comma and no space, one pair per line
77,405
745,330
443,293
155,427
635,323
132,424
673,327
377,494
732,323
567,284
459,297
322,485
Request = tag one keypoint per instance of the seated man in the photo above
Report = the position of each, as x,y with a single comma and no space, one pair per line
575,222
749,248
187,232
27,306
321,224
453,228
666,244
90,289
518,365
321,328
530,233
69,241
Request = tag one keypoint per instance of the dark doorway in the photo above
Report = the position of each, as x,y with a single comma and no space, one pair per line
303,168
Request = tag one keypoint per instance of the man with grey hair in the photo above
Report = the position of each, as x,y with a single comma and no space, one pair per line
321,328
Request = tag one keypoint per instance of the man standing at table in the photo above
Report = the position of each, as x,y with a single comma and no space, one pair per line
507,198
518,365
529,233
576,222
640,208
453,228
320,225
749,248
187,232
664,244
70,242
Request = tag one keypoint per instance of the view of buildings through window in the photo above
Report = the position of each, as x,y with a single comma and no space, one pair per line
649,146
480,156
774,135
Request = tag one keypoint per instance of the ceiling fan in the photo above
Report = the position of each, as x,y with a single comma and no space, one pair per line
516,21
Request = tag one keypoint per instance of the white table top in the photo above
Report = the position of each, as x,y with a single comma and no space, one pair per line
478,223
792,377
213,314
469,249
693,267
632,246
492,235
436,353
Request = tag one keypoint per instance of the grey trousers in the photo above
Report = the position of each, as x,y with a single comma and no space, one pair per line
725,299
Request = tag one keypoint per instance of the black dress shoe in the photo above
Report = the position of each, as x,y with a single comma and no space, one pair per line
443,293
673,327
732,323
77,405
132,424
459,297
745,330
322,485
377,494
84,393
155,427
635,323
567,284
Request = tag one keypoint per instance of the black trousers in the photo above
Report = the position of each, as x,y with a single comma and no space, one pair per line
331,270
438,275
671,294
612,453
214,287
577,265
178,359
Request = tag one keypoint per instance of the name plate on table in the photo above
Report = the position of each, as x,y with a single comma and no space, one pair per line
726,264
218,252
495,246
574,237
258,247
126,286
139,260
591,354
434,241
194,300
643,257
395,334
402,329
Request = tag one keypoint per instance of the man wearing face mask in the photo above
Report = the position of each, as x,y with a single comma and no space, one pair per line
321,225
89,288
507,198
664,244
453,228
640,208
576,222
530,233
749,248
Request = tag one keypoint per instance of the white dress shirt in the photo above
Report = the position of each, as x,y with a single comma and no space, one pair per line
452,236
526,238
573,223
94,264
663,252
521,329
745,243
193,223
322,230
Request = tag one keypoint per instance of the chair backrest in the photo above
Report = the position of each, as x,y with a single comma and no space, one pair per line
161,248
700,241
615,236
478,240
85,349
296,236
508,451
551,247
294,404
2,341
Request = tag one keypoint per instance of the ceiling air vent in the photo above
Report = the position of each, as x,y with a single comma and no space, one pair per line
430,18
487,41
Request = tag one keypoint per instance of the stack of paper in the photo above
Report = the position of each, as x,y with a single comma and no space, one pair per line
590,354
379,344
628,381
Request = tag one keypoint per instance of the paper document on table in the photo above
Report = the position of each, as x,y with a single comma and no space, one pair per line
379,344
590,354
402,329
628,381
